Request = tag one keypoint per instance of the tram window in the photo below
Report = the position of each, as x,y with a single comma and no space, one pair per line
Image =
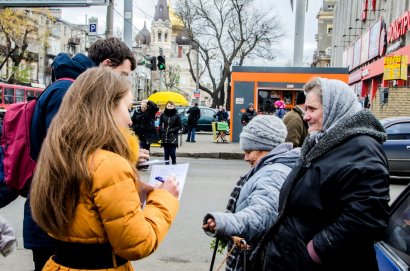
19,95
37,93
1,95
29,94
8,95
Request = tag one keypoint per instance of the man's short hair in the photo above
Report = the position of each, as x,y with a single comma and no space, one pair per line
196,104
113,49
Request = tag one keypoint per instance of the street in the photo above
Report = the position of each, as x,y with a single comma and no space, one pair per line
186,247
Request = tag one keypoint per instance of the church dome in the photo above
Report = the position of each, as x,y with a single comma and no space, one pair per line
176,22
183,38
144,36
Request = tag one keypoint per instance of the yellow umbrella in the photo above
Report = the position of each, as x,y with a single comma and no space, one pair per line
162,97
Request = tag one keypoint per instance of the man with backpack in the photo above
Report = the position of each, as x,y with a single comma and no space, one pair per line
110,52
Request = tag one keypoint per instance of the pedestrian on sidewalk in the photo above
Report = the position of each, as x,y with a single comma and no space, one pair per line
296,125
221,115
86,189
248,115
253,204
280,108
194,115
143,124
334,205
170,124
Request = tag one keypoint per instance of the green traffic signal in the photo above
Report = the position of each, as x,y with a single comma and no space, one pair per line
161,63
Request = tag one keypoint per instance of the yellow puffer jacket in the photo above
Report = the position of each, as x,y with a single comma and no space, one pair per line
112,212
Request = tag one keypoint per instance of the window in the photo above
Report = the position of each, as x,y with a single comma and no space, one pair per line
398,232
29,93
19,95
8,95
159,36
399,131
206,113
330,29
165,36
329,51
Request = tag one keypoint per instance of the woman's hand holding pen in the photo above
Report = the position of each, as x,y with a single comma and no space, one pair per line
170,184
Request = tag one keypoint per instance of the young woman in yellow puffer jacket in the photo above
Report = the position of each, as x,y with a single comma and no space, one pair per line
86,192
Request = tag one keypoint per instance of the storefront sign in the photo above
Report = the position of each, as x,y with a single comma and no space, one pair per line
395,67
394,46
399,27
239,101
355,76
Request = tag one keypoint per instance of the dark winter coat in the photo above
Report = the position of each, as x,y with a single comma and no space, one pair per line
194,115
170,123
221,115
337,196
46,108
296,126
143,123
247,116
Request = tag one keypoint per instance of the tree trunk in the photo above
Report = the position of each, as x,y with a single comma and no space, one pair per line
228,93
16,65
7,57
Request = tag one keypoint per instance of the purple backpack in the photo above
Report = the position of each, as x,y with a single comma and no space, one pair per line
15,142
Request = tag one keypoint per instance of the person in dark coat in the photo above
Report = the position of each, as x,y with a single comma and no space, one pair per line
194,115
110,52
334,205
221,115
248,114
170,124
297,127
143,124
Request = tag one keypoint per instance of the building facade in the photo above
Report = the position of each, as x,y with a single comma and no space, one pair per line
372,39
321,55
167,37
58,36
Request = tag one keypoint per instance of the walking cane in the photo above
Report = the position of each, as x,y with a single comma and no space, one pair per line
214,254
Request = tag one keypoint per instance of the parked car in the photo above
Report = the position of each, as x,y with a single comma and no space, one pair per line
393,252
204,123
397,145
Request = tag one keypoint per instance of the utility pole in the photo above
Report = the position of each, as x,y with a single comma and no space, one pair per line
299,33
128,23
197,74
110,19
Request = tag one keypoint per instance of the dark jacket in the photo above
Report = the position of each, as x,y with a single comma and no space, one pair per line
170,123
194,115
47,106
221,115
143,123
247,116
337,196
296,126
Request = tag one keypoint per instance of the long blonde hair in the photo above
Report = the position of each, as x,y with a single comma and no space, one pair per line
83,124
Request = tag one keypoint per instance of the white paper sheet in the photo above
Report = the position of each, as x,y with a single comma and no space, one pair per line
180,172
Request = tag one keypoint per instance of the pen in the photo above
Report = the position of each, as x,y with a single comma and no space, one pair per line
158,178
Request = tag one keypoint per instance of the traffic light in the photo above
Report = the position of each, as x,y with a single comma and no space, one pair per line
153,63
161,63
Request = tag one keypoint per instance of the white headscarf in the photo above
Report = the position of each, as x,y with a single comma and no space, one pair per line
339,102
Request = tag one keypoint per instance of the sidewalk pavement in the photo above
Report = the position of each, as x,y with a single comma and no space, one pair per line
204,147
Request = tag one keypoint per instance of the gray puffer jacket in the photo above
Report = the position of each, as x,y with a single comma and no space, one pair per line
257,205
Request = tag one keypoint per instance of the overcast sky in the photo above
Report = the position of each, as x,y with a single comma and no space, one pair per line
144,10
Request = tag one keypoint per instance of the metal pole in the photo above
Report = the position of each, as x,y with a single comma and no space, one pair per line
128,23
197,74
110,19
299,33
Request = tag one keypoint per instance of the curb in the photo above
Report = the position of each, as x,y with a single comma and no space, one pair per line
214,155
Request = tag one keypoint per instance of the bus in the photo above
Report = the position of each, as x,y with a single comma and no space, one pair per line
10,94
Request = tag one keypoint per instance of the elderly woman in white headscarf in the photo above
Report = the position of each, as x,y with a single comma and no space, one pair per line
334,204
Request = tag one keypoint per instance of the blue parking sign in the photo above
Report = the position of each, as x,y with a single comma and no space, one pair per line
93,28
